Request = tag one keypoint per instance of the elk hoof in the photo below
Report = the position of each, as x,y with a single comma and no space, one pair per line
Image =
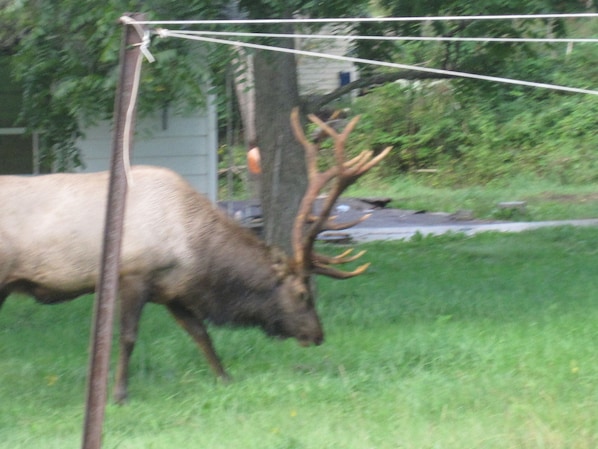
120,397
224,379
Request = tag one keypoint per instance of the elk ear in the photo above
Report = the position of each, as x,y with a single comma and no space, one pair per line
280,262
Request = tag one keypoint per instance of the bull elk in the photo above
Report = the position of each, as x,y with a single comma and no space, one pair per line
178,250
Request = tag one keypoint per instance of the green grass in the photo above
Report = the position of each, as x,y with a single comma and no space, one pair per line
447,342
546,200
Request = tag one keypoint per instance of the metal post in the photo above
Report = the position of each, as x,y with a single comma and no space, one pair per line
106,291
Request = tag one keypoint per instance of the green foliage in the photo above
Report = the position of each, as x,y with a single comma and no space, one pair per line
476,57
489,341
545,199
232,173
530,137
67,56
417,120
474,134
276,8
66,62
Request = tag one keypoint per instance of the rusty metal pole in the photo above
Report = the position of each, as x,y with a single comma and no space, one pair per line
106,291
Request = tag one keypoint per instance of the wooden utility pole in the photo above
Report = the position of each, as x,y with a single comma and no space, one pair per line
106,291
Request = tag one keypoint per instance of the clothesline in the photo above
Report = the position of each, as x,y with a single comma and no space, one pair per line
162,32
372,19
388,38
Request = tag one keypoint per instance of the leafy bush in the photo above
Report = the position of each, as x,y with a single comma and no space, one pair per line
474,132
417,119
474,140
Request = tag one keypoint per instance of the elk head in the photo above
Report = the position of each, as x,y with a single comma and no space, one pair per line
338,177
295,314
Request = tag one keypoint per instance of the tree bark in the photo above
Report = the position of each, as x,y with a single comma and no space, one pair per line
283,165
244,90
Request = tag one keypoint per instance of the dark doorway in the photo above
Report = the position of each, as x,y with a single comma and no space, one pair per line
16,147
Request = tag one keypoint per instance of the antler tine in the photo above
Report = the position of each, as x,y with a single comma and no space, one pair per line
330,130
357,159
369,164
310,148
329,226
326,270
363,162
339,138
340,259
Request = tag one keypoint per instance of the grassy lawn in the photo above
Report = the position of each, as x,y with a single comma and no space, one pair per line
545,199
447,342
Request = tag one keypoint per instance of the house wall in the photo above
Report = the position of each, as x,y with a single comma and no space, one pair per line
185,144
321,75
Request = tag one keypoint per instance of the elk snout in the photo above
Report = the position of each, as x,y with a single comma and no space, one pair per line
316,338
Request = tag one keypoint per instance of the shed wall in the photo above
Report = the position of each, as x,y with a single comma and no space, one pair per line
187,145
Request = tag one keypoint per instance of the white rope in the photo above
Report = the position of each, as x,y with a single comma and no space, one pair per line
144,34
372,19
389,38
168,33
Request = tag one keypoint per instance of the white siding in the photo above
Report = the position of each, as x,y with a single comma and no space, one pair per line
187,145
321,75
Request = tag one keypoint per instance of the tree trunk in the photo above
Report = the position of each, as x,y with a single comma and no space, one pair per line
244,89
283,164
245,93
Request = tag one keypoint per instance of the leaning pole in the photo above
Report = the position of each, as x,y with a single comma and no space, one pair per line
107,288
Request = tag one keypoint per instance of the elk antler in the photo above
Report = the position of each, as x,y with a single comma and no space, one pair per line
343,173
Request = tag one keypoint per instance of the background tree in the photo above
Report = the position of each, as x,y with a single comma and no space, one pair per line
276,91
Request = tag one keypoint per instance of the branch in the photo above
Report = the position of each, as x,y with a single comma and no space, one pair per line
316,102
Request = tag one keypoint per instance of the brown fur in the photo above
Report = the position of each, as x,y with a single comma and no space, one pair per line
178,250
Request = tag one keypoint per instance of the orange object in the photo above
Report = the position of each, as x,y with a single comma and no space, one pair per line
254,161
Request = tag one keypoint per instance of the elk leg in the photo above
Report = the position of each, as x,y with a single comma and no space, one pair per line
197,330
132,300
